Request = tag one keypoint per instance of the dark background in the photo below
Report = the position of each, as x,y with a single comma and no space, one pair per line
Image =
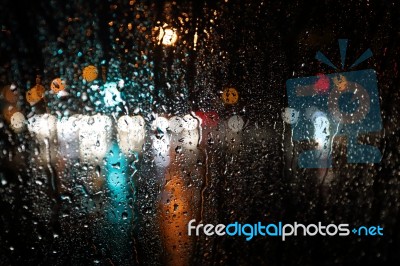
254,46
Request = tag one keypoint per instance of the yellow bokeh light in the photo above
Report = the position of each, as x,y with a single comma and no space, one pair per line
35,94
230,96
57,85
90,73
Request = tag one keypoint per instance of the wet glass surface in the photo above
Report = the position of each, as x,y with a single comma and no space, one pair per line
121,121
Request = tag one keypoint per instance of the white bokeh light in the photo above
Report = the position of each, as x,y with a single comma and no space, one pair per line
160,123
131,133
94,137
290,115
190,139
176,124
161,146
18,122
322,134
68,136
189,122
43,126
235,123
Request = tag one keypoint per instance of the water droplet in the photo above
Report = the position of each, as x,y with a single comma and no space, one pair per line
98,171
116,165
178,149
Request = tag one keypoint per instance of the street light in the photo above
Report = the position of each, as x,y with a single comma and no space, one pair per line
167,36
